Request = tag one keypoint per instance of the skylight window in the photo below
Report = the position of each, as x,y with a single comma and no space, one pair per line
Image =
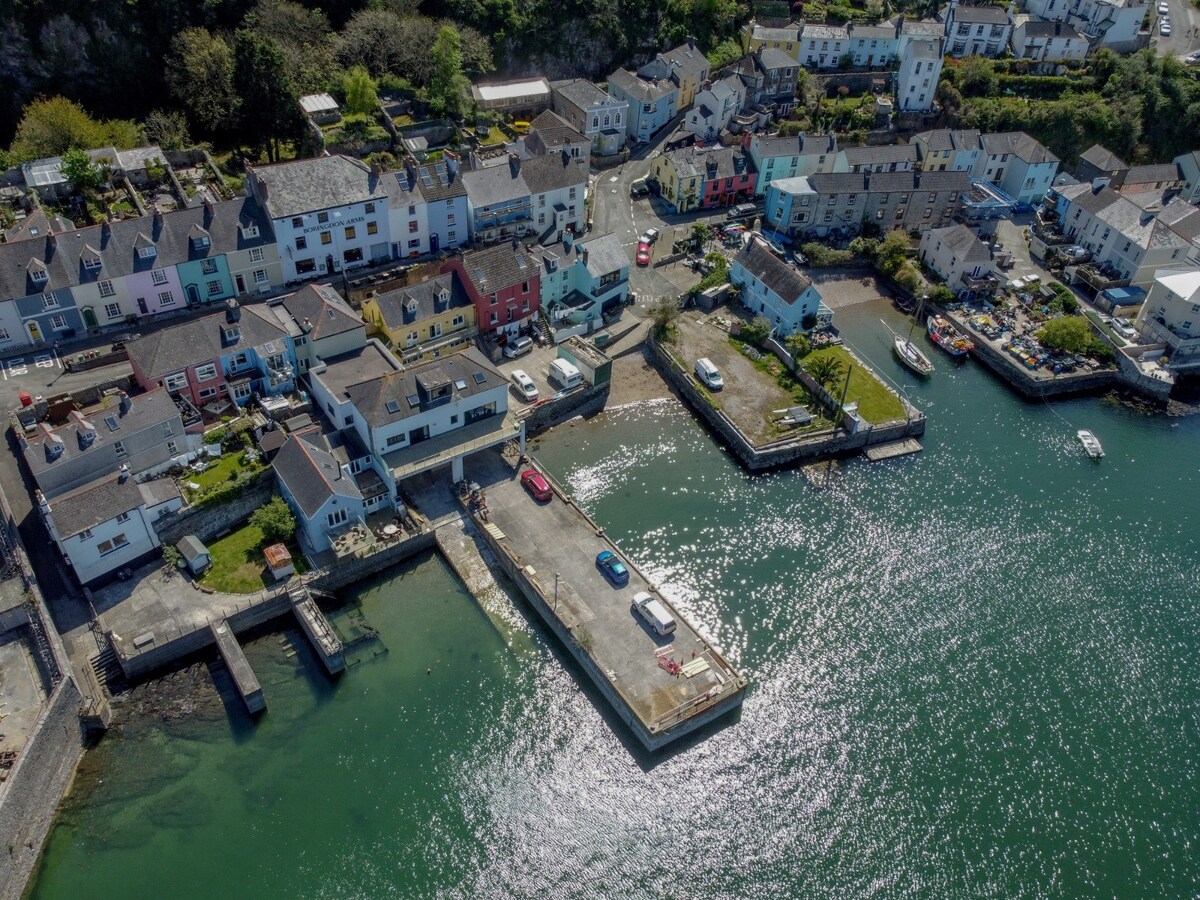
480,378
393,406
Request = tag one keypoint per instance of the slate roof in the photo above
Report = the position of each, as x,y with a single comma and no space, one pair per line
784,281
1038,28
941,139
1152,174
1124,216
1181,217
553,130
492,185
966,246
686,58
769,58
311,474
1019,144
37,225
392,304
799,145
882,155
324,182
643,90
1103,159
116,244
468,373
982,15
873,32
824,32
553,172
146,411
324,308
498,267
104,499
605,255
768,33
197,341
731,162
580,92
922,27
889,182
432,182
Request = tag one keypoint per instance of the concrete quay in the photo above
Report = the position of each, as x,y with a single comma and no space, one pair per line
549,550
244,678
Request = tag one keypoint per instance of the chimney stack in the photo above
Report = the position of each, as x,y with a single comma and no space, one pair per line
233,312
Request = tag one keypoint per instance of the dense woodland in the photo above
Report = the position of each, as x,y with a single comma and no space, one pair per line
224,69
85,73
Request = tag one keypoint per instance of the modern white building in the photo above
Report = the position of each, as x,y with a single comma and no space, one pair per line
917,76
328,214
1171,313
108,524
321,323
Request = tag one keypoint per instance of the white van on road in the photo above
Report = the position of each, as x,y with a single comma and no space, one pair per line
654,613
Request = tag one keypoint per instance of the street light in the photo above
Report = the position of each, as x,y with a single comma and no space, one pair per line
557,577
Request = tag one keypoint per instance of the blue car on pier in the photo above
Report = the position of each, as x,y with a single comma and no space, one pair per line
612,568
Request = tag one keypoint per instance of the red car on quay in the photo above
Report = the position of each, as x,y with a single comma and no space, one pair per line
537,485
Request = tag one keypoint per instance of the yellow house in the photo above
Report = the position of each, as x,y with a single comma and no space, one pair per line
680,176
786,40
688,67
423,321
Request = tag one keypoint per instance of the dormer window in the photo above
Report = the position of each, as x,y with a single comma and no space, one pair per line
39,274
249,230
443,296
411,306
92,263
148,252
201,241
231,333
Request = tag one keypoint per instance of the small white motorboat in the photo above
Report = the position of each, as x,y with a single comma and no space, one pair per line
1091,444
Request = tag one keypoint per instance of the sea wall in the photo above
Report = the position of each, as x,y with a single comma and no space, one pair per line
36,784
786,452
581,403
355,570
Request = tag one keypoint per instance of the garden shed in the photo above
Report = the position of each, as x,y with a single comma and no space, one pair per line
195,555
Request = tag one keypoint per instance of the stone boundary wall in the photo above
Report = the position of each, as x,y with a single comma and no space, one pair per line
780,453
208,521
99,361
337,577
581,403
38,781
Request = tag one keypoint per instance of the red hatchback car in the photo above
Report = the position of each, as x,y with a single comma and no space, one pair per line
643,254
535,482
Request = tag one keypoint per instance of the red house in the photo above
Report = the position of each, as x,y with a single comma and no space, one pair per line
729,177
503,282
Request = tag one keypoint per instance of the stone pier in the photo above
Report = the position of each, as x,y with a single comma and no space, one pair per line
239,667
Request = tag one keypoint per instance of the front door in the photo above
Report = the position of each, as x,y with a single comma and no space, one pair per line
418,434
89,317
434,243
142,308
241,284
35,332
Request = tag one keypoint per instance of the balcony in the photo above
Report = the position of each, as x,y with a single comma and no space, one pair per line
1100,278
603,290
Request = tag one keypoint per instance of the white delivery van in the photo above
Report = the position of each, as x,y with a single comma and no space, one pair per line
654,612
564,374
708,374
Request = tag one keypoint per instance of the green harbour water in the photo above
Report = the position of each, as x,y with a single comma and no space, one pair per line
973,674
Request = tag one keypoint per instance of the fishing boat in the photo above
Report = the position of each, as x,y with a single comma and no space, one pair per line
1091,444
947,337
908,354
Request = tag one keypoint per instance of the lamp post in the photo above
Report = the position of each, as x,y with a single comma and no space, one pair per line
557,577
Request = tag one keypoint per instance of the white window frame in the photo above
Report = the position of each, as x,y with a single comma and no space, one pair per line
58,323
107,289
206,372
158,276
175,381
113,310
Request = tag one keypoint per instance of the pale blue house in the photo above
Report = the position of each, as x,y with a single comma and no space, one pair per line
652,102
775,290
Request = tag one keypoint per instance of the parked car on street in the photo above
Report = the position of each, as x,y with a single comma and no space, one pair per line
742,211
643,254
518,346
612,568
1193,60
537,485
649,236
1163,9
1124,328
524,385
1165,28
639,188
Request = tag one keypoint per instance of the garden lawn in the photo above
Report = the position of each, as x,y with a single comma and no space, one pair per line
238,566
217,475
875,402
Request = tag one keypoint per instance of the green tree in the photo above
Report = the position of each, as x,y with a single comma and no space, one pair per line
200,78
826,370
447,84
81,173
703,232
171,559
275,521
756,331
168,129
54,126
271,103
893,251
303,35
724,53
798,345
663,314
360,91
1069,333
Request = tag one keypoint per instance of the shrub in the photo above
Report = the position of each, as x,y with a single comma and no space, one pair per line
756,331
274,520
822,257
